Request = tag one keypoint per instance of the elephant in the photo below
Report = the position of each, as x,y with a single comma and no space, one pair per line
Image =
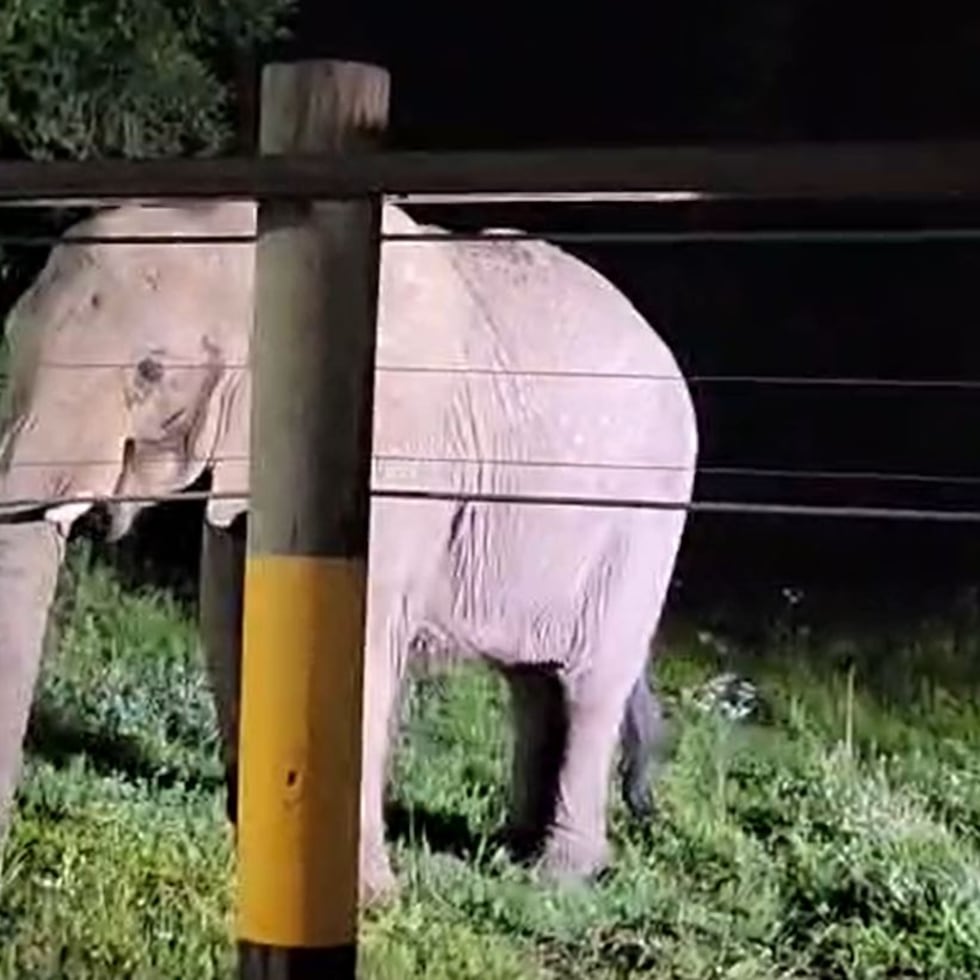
504,367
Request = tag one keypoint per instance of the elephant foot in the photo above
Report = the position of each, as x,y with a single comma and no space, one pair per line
569,858
378,884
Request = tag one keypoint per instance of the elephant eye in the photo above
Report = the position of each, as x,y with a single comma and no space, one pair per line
149,370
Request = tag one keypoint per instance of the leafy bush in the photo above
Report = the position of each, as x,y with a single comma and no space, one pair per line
130,78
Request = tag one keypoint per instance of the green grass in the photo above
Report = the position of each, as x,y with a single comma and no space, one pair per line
836,835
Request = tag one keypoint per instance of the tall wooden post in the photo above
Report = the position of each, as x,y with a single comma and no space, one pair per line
312,357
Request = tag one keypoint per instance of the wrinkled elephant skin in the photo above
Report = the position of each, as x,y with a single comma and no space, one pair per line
130,376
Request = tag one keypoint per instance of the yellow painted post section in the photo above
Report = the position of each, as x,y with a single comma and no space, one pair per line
301,713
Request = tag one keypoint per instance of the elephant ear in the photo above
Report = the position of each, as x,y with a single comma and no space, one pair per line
230,470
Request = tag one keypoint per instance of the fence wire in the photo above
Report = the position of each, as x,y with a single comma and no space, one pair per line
30,508
765,236
774,380
885,236
735,472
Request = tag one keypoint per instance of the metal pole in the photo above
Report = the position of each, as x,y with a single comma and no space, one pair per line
312,395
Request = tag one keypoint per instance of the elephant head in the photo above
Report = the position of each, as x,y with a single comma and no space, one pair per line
127,378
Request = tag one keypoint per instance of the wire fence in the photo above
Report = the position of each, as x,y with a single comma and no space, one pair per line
845,236
690,380
31,508
747,472
753,236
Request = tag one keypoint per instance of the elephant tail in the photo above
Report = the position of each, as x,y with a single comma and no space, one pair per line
641,735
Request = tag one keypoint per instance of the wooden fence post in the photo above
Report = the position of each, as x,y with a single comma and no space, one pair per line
312,355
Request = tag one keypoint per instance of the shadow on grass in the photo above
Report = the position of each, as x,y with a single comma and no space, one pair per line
58,740
444,832
161,551
408,824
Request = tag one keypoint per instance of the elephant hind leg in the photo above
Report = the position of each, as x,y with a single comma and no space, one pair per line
576,845
540,732
605,704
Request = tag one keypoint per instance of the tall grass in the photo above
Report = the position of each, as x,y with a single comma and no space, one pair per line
832,834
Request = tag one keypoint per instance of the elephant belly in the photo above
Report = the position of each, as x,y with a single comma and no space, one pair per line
513,585
522,583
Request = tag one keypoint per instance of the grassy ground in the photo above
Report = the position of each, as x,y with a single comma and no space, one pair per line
835,835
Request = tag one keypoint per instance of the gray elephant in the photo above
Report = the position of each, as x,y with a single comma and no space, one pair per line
504,367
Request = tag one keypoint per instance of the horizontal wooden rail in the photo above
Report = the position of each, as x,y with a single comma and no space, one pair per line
814,171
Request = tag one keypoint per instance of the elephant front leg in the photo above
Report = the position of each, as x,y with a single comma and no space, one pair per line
383,668
30,560
222,589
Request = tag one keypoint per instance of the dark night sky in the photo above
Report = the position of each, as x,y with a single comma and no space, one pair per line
493,76
479,74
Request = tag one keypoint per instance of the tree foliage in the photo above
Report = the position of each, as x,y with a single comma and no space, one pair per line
83,79
124,78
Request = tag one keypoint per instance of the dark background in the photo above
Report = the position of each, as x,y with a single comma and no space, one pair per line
481,76
513,75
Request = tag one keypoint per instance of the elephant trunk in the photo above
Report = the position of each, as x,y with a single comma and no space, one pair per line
31,555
